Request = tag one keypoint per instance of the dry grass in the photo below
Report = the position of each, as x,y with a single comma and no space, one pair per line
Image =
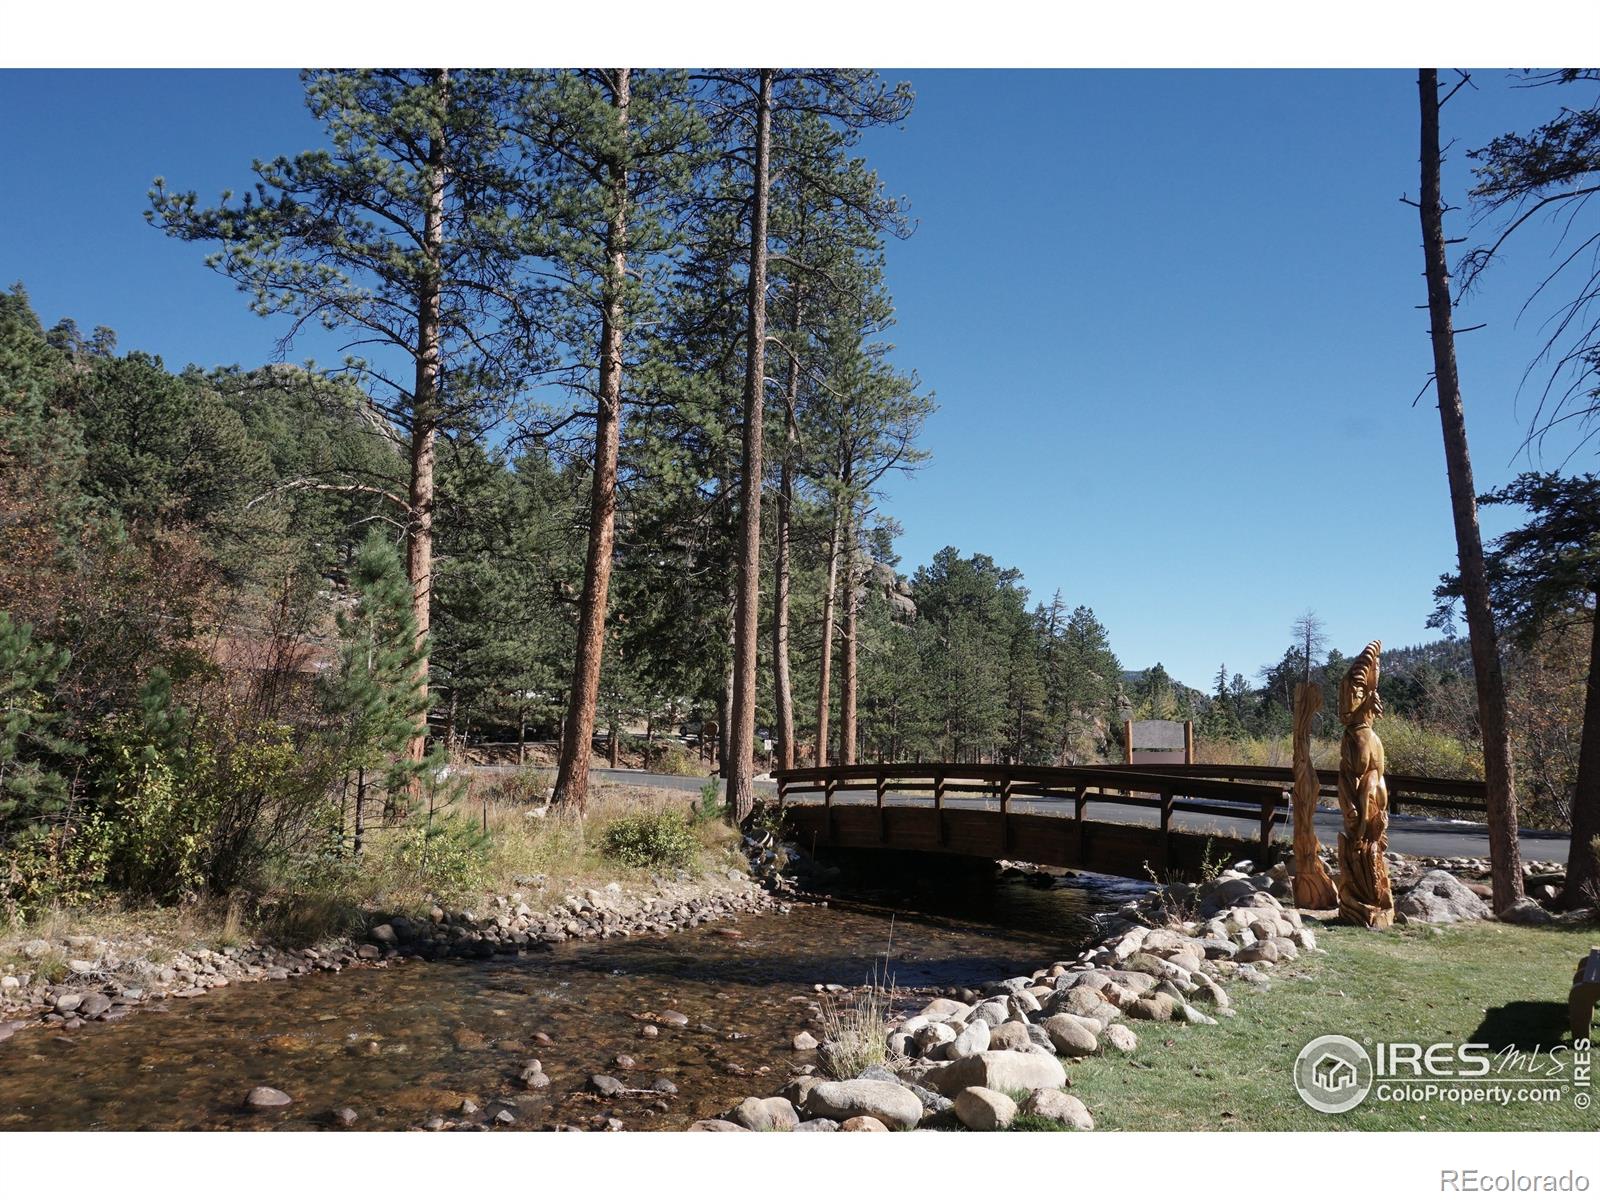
540,856
855,1029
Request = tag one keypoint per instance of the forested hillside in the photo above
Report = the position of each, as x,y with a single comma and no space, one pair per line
248,611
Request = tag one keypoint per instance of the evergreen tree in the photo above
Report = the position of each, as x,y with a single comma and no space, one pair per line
377,693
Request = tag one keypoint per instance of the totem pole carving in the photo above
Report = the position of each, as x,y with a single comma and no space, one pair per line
1364,894
1313,886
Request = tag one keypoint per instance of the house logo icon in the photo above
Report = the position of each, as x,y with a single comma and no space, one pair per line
1333,1074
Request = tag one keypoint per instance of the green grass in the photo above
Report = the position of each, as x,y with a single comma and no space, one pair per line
1483,982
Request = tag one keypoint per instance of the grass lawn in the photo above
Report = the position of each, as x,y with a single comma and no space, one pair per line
1482,982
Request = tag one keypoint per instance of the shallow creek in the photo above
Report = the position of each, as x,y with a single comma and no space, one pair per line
412,1041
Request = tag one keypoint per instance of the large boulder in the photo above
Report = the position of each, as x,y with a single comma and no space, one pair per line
1440,898
1000,1071
895,1105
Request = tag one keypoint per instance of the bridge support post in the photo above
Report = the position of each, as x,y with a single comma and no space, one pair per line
1078,803
938,804
1005,818
1166,831
827,806
883,832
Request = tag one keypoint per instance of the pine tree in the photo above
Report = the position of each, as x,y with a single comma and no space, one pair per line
405,234
378,691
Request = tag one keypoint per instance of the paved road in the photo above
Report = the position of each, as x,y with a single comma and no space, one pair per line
1407,833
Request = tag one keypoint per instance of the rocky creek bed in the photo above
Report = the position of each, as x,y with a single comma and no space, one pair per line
618,1011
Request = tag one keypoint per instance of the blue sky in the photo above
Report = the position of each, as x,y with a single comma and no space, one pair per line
1169,318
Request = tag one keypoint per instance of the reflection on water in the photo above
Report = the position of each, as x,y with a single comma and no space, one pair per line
413,1041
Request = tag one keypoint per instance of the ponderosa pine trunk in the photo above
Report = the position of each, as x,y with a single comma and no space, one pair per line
847,674
1504,853
782,678
825,668
742,718
577,749
1583,864
425,405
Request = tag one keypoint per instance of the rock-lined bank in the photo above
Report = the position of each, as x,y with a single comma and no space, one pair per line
84,977
961,1060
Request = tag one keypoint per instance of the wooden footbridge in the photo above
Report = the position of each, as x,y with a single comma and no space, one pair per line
1116,820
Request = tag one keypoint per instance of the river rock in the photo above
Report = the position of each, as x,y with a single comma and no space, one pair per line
1154,1007
1261,951
1070,1036
1440,898
817,1125
943,1007
774,1113
984,1109
1120,1037
974,1039
673,1018
1526,911
345,1117
68,1002
1009,1035
1055,1105
1000,1071
991,1012
606,1085
892,1103
804,1041
932,1102
714,1125
93,1005
267,1097
863,1125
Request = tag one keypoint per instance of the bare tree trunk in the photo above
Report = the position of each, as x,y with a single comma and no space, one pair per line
360,826
1583,864
1504,854
614,743
847,682
782,681
572,775
425,403
742,720
825,668
522,735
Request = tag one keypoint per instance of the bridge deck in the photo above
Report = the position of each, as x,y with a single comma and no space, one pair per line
1165,822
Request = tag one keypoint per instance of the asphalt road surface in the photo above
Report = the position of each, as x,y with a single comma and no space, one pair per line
1408,834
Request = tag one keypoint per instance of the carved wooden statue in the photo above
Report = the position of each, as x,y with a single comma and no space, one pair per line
1364,894
1313,886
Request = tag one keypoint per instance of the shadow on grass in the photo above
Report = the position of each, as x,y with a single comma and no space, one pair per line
1525,1024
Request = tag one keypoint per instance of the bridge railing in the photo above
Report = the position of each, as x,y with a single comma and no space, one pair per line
1405,791
1163,791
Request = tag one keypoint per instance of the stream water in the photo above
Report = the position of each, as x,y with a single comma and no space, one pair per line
412,1041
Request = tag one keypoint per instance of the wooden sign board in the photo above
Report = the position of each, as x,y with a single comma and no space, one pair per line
1159,741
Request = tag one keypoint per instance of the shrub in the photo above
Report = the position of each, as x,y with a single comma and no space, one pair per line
447,855
710,806
650,839
671,758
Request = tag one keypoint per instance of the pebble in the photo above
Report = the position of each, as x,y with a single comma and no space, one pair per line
267,1097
